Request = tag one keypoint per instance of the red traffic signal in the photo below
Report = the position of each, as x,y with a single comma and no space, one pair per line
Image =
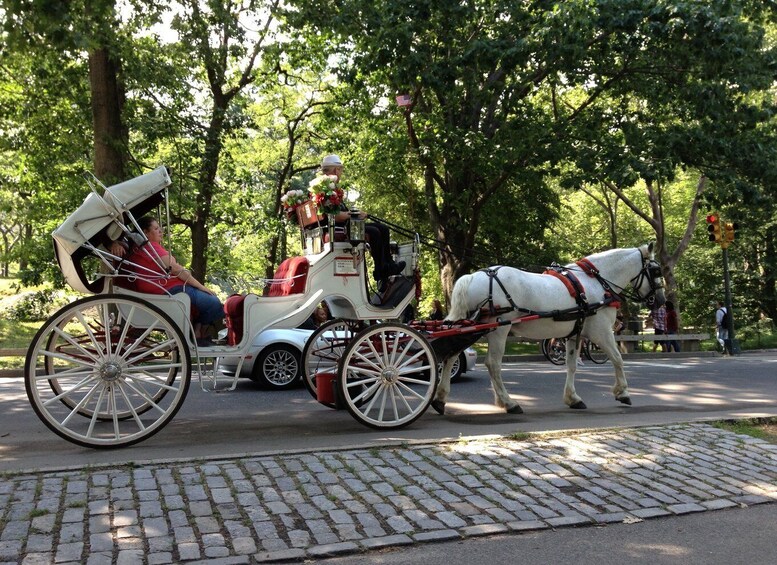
714,228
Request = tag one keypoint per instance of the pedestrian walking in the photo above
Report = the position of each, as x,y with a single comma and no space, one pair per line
659,326
672,327
721,326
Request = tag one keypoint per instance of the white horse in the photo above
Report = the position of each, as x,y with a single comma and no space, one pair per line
540,306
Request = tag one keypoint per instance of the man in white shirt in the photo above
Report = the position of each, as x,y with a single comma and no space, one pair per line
722,329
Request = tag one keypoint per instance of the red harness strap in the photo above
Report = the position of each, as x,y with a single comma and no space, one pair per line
591,270
588,267
564,279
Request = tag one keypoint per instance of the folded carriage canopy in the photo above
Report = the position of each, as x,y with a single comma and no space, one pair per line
101,219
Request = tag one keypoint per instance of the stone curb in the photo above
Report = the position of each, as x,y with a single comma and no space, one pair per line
310,505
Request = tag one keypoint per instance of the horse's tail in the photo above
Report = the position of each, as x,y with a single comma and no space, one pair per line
459,296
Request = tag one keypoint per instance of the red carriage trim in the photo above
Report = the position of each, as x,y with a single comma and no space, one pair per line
233,310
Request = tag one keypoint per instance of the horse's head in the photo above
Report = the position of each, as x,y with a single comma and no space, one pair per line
649,282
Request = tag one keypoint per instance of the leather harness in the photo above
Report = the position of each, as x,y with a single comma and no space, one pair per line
577,314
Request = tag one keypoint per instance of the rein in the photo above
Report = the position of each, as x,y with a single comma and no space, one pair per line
648,265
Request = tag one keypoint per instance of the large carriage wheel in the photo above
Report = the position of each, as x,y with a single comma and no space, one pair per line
388,375
323,350
107,371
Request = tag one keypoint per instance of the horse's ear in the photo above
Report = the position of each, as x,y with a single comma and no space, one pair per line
650,247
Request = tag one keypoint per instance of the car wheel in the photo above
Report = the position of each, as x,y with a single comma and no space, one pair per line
278,367
458,367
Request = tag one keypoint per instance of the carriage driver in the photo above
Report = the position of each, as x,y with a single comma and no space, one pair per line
377,234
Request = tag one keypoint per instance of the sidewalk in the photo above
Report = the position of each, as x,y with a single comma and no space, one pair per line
312,505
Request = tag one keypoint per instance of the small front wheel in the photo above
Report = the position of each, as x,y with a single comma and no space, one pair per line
388,375
323,351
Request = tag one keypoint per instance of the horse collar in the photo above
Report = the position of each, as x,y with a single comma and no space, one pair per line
588,267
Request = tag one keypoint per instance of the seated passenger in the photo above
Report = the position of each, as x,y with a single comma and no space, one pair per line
377,234
208,306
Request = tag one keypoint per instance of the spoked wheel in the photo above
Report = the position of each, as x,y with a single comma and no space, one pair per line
278,367
595,353
388,375
458,367
107,371
555,350
324,349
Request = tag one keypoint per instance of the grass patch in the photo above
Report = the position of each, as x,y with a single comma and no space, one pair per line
519,436
512,348
15,334
761,428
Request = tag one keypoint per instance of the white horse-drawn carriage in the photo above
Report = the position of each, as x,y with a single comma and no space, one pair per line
113,368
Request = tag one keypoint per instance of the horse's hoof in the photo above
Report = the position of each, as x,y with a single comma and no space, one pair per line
624,400
579,405
514,410
439,406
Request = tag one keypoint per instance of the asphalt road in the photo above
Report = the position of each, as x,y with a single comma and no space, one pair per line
252,421
741,535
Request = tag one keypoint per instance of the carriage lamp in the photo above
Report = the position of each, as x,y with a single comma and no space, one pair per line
357,229
713,226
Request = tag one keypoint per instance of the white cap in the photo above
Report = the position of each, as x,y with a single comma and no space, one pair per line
331,161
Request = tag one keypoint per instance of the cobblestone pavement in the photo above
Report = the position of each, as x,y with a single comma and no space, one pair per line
311,505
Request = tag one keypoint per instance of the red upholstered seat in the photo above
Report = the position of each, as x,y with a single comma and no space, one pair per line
290,278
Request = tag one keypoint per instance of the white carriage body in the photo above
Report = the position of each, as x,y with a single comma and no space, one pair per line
112,369
336,270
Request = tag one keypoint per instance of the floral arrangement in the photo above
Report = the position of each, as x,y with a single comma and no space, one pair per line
326,193
293,199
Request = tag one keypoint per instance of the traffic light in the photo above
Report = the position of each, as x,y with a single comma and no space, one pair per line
713,226
729,229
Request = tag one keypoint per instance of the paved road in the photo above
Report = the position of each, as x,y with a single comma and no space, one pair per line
250,421
734,536
380,497
351,501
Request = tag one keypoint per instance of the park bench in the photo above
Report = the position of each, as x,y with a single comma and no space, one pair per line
13,373
688,342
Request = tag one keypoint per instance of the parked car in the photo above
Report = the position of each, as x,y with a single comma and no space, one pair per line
465,362
274,359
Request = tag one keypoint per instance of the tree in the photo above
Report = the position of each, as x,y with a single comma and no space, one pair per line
502,91
70,27
227,40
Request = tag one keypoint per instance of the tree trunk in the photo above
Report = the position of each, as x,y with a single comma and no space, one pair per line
768,262
107,101
25,241
207,188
